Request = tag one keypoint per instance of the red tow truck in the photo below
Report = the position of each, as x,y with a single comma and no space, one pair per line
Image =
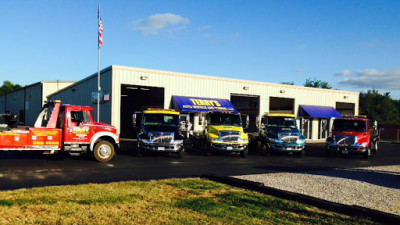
66,128
352,135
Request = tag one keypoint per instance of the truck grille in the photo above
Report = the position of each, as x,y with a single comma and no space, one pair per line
345,140
289,138
162,138
229,136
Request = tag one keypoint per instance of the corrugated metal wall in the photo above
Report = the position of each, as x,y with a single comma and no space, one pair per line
15,101
2,104
50,87
214,87
33,103
80,94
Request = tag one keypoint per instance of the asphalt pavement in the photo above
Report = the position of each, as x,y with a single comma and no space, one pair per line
27,169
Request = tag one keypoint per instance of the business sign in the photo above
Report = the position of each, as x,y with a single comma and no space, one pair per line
104,97
195,104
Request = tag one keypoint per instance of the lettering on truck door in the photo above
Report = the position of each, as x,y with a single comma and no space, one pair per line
78,130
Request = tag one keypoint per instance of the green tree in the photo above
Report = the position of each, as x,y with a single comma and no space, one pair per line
380,107
288,82
8,86
317,83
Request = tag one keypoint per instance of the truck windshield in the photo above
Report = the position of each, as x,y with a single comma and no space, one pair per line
349,125
282,122
161,120
225,119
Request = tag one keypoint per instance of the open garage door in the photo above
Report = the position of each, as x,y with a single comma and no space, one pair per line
137,98
281,105
247,106
346,109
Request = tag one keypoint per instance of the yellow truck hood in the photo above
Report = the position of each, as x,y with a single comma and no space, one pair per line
225,128
213,132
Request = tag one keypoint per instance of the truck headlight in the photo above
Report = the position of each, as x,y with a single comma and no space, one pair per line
178,142
145,140
274,140
242,140
301,141
362,144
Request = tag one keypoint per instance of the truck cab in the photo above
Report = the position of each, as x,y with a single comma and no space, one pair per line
279,132
352,135
158,130
224,133
64,128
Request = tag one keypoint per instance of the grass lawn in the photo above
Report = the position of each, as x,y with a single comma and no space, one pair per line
171,201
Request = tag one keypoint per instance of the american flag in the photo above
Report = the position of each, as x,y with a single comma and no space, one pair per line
100,29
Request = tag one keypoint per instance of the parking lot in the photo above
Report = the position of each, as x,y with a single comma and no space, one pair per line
22,170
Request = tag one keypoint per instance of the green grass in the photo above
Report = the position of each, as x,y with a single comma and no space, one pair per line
172,201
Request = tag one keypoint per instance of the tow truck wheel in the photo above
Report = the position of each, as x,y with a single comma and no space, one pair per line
265,150
179,154
300,154
367,153
375,147
244,153
259,145
205,149
104,151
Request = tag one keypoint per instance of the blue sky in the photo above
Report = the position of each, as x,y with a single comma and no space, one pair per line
354,45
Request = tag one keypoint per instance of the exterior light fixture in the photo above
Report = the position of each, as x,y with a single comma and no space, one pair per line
246,88
282,91
345,97
143,77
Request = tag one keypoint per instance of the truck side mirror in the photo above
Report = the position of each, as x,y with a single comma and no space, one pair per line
201,118
258,122
263,122
247,121
134,122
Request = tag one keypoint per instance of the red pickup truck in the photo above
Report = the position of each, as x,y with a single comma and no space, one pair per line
352,135
65,128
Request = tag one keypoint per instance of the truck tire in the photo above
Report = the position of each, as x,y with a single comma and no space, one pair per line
179,154
259,146
244,153
205,148
300,153
264,149
104,151
367,153
375,147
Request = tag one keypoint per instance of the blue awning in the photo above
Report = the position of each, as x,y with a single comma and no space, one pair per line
318,111
195,104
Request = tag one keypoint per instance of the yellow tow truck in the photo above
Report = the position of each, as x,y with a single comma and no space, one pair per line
223,133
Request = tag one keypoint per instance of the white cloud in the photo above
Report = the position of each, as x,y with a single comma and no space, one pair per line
371,72
302,46
158,22
299,70
207,35
372,78
344,73
205,28
369,44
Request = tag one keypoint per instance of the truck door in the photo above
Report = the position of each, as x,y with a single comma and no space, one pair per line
137,118
78,126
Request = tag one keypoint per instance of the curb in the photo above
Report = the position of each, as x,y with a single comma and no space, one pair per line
351,210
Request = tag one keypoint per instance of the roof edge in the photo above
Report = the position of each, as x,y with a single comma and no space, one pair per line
83,80
209,77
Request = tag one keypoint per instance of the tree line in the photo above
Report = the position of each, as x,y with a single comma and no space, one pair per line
380,107
8,86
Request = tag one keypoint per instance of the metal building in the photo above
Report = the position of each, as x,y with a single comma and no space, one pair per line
27,102
126,90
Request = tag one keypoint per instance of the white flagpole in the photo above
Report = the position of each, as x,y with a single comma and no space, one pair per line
98,69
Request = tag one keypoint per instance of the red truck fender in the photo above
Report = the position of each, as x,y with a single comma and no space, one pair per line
103,134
